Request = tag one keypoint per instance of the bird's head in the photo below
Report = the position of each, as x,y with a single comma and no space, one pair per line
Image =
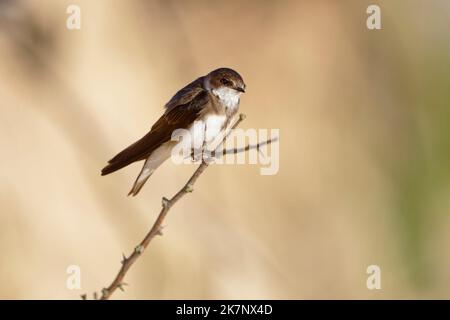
225,79
227,85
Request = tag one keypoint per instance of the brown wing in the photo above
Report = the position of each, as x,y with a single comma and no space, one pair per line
177,116
185,95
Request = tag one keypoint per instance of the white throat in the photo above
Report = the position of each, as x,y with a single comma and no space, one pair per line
229,97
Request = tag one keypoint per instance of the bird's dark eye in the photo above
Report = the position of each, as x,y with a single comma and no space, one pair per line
225,82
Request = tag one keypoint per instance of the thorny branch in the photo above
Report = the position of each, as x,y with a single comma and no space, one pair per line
157,227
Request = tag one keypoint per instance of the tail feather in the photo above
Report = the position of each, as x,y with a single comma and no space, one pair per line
113,166
151,164
140,181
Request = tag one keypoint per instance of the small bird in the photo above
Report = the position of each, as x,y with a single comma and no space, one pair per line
205,108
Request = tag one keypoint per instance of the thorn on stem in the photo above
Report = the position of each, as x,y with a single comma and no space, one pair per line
121,286
139,249
242,117
105,292
189,188
165,202
124,258
159,232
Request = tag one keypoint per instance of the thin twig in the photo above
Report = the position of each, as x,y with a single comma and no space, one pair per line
246,148
156,229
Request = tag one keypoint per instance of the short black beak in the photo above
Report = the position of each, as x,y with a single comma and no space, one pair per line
240,89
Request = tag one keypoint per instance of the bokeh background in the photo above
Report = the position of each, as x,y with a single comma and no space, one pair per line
364,149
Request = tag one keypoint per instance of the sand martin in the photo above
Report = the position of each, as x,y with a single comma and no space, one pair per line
204,108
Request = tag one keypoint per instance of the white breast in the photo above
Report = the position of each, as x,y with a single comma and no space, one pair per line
229,97
214,125
208,128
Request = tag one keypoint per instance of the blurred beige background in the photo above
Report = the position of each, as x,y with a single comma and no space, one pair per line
364,146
